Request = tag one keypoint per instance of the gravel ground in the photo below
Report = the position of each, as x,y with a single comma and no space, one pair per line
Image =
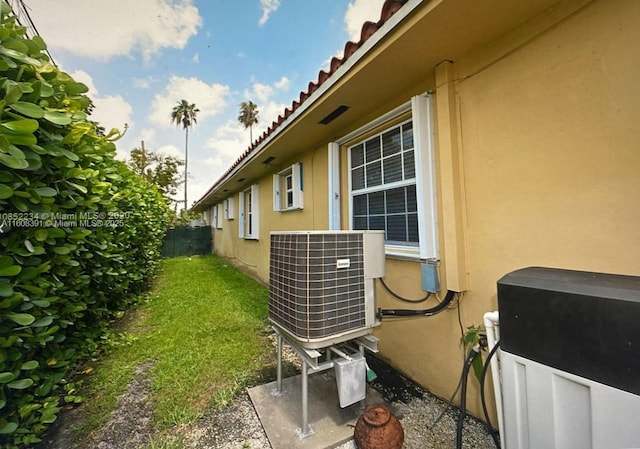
237,426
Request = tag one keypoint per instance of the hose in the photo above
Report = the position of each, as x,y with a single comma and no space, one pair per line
398,313
485,368
463,393
401,298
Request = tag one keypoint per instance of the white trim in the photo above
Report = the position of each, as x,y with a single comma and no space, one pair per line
249,219
423,144
241,214
255,212
219,216
228,209
213,216
333,150
375,123
296,178
277,194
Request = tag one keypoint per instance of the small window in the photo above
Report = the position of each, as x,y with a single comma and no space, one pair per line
287,189
228,209
248,223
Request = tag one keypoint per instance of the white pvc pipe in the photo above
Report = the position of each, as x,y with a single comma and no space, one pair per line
492,326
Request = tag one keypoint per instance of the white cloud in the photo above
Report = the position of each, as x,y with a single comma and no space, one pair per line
282,84
196,58
210,99
83,77
111,111
147,135
261,93
268,7
268,109
228,142
103,29
171,150
358,12
150,139
143,83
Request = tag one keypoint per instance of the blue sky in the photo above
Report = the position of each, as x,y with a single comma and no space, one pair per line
140,57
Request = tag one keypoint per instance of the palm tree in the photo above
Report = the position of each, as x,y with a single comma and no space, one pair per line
248,117
185,114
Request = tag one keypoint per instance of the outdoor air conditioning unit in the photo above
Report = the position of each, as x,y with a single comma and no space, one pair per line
570,359
321,284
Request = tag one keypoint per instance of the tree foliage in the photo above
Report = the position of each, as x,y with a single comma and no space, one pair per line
80,233
248,116
158,169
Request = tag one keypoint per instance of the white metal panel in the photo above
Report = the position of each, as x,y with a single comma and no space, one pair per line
545,408
423,141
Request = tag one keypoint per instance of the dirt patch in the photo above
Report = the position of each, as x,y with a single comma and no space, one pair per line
235,426
128,427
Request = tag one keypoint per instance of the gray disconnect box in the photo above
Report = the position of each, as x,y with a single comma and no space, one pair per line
351,378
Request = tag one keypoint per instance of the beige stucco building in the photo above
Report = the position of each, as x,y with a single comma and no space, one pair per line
487,135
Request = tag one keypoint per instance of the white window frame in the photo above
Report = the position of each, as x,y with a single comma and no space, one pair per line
249,217
421,108
228,209
281,191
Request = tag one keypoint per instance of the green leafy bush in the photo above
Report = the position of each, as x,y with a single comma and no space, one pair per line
80,233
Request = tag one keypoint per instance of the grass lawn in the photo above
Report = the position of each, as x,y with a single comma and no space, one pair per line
203,331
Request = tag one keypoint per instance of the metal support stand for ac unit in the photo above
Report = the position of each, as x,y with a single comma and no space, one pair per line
310,363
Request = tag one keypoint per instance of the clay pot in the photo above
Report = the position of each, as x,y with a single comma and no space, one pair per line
378,428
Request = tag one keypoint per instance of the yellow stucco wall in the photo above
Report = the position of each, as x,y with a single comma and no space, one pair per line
253,255
542,165
549,145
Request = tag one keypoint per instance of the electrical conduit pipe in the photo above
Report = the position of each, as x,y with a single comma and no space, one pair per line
492,326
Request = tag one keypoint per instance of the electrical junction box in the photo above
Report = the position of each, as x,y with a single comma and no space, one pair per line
351,378
570,359
430,281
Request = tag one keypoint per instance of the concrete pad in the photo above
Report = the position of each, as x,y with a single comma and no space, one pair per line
281,415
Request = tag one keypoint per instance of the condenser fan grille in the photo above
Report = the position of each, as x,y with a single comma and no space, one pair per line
316,283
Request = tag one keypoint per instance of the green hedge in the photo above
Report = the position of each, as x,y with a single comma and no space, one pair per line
80,233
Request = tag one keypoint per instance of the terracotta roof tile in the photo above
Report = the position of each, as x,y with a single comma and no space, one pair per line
389,8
